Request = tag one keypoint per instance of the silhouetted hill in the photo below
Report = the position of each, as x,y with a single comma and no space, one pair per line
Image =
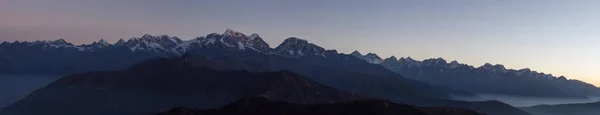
263,106
161,84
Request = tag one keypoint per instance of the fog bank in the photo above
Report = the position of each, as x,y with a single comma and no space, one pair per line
15,87
526,101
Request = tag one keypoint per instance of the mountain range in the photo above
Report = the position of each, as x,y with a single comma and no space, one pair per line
486,79
63,58
565,109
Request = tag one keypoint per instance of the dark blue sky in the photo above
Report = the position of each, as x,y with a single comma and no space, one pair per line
552,36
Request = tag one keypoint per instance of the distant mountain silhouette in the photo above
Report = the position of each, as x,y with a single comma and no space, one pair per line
487,79
565,109
264,106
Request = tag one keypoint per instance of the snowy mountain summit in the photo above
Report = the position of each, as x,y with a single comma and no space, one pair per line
369,57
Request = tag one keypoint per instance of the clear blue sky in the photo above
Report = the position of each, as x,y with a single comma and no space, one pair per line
552,36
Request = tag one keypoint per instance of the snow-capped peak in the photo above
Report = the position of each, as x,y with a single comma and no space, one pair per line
153,43
253,36
524,71
233,39
356,53
494,68
296,47
120,42
234,34
409,59
454,62
59,41
435,61
391,61
54,43
373,58
102,42
393,58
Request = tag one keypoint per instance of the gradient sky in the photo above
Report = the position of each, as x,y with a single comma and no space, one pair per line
552,36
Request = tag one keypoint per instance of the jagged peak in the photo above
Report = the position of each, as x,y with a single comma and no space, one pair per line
410,59
487,65
454,62
60,40
120,42
147,36
435,59
561,77
356,53
102,42
295,39
254,36
390,60
373,58
495,68
232,33
229,30
54,43
372,55
332,51
525,69
296,47
393,58
213,35
440,60
499,66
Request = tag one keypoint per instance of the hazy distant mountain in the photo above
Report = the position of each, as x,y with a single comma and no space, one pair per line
565,109
370,57
489,79
264,106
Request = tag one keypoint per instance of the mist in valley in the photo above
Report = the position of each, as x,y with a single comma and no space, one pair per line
15,87
527,101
